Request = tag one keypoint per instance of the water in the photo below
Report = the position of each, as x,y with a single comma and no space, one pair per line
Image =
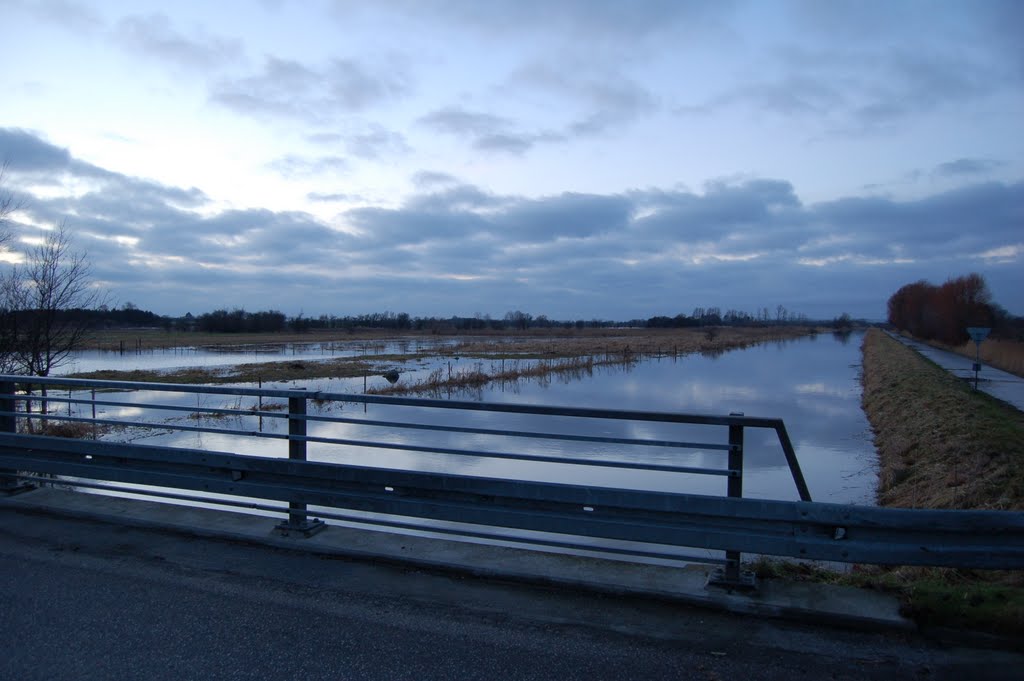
811,383
168,359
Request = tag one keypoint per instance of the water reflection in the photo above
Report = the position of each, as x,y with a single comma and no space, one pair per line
167,359
810,383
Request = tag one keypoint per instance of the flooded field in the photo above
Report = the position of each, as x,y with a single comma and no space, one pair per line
811,383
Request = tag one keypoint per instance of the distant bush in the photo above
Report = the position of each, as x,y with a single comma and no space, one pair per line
943,313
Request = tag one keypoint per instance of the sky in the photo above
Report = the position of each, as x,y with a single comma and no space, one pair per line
581,159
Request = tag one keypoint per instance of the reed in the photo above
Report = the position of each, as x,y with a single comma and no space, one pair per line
439,380
1007,355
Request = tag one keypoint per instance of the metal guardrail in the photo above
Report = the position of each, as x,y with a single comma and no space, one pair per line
470,505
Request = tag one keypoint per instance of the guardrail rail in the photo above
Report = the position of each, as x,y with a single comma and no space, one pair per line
551,512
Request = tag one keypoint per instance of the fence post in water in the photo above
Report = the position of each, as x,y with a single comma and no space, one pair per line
298,522
732,577
9,484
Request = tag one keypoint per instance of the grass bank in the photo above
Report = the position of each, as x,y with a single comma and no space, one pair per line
940,445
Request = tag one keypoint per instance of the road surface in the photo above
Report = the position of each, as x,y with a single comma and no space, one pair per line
91,600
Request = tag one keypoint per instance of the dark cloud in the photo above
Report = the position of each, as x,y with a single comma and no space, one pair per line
395,227
289,89
154,35
959,223
457,197
723,211
566,215
26,152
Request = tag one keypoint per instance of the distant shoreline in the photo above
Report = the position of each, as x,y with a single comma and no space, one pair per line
546,344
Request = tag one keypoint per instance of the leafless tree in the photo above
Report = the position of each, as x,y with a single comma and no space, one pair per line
44,291
8,205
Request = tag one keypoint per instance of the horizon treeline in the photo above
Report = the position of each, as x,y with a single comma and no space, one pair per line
944,313
240,320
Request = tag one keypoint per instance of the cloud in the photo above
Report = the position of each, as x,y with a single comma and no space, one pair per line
292,90
864,68
329,197
601,21
431,178
454,248
377,142
73,16
155,36
27,152
596,101
293,165
967,166
959,223
605,97
484,131
844,92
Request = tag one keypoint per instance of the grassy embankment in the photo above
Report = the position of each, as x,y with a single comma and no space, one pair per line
940,445
559,351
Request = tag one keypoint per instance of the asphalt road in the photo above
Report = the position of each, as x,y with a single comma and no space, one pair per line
88,600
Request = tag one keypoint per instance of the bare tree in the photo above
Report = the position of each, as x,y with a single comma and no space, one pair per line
44,291
8,205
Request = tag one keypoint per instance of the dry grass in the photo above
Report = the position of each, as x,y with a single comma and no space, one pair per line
533,340
625,342
439,380
940,444
1007,355
76,430
152,339
971,600
569,355
242,373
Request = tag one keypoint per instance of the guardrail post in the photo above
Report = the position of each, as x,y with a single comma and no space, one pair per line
10,484
732,577
298,521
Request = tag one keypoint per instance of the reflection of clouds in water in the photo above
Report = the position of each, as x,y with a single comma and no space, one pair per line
808,383
836,410
167,359
814,389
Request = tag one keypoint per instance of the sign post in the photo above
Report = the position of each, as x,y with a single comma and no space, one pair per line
977,334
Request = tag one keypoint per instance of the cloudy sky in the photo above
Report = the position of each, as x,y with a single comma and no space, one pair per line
577,158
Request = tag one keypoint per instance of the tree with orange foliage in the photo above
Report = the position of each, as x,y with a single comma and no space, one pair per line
942,312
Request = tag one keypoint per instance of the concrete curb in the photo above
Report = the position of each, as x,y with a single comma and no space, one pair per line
819,603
